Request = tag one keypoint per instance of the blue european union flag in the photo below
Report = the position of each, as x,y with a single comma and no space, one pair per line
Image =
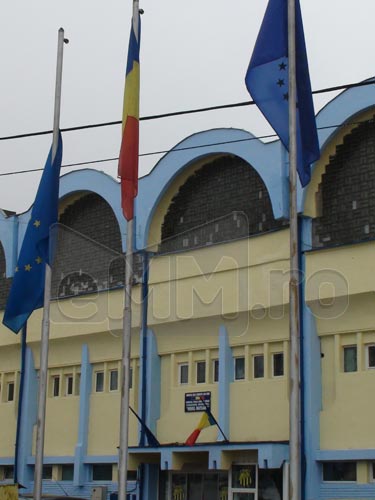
27,290
268,83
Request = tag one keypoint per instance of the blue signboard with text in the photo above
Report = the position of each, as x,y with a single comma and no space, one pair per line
197,401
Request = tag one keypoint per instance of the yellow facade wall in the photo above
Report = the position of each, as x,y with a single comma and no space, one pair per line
174,425
259,410
185,310
223,280
61,426
8,413
258,407
341,296
9,372
104,422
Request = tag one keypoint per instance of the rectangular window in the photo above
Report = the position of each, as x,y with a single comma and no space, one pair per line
371,356
340,471
78,383
350,358
130,378
372,471
278,364
258,361
68,385
67,472
216,370
132,475
47,472
8,472
183,376
99,381
102,472
201,372
55,386
113,380
239,368
10,391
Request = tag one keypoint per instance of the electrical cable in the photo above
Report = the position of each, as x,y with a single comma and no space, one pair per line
179,113
176,150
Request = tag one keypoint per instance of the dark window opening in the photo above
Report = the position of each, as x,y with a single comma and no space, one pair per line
278,364
350,359
216,370
56,386
371,356
47,472
201,372
340,471
102,472
10,394
8,471
67,472
239,368
113,380
99,382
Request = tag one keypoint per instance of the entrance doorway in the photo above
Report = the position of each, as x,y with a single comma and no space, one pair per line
241,482
199,486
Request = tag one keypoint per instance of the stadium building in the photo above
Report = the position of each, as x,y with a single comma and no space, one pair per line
210,323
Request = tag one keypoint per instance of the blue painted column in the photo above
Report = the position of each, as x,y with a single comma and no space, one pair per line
149,394
225,378
142,403
28,420
150,484
312,381
149,408
149,397
153,388
80,471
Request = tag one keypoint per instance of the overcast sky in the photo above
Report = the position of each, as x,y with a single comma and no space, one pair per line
193,54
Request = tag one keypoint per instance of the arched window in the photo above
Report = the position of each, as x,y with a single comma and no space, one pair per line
88,253
347,192
225,199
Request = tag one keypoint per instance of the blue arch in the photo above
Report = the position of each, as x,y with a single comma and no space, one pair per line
86,180
267,159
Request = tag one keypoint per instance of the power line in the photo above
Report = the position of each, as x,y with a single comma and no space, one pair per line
176,150
178,113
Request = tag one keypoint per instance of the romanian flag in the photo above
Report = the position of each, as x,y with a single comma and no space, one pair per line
206,421
128,161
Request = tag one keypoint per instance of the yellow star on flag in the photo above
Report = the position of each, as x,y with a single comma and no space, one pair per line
37,223
27,267
16,270
39,260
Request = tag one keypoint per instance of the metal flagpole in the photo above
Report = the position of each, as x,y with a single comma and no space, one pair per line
126,347
294,357
126,337
38,472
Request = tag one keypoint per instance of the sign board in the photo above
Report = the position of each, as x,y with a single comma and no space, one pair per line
197,401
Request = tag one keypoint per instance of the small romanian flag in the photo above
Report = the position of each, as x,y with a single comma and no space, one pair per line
206,421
